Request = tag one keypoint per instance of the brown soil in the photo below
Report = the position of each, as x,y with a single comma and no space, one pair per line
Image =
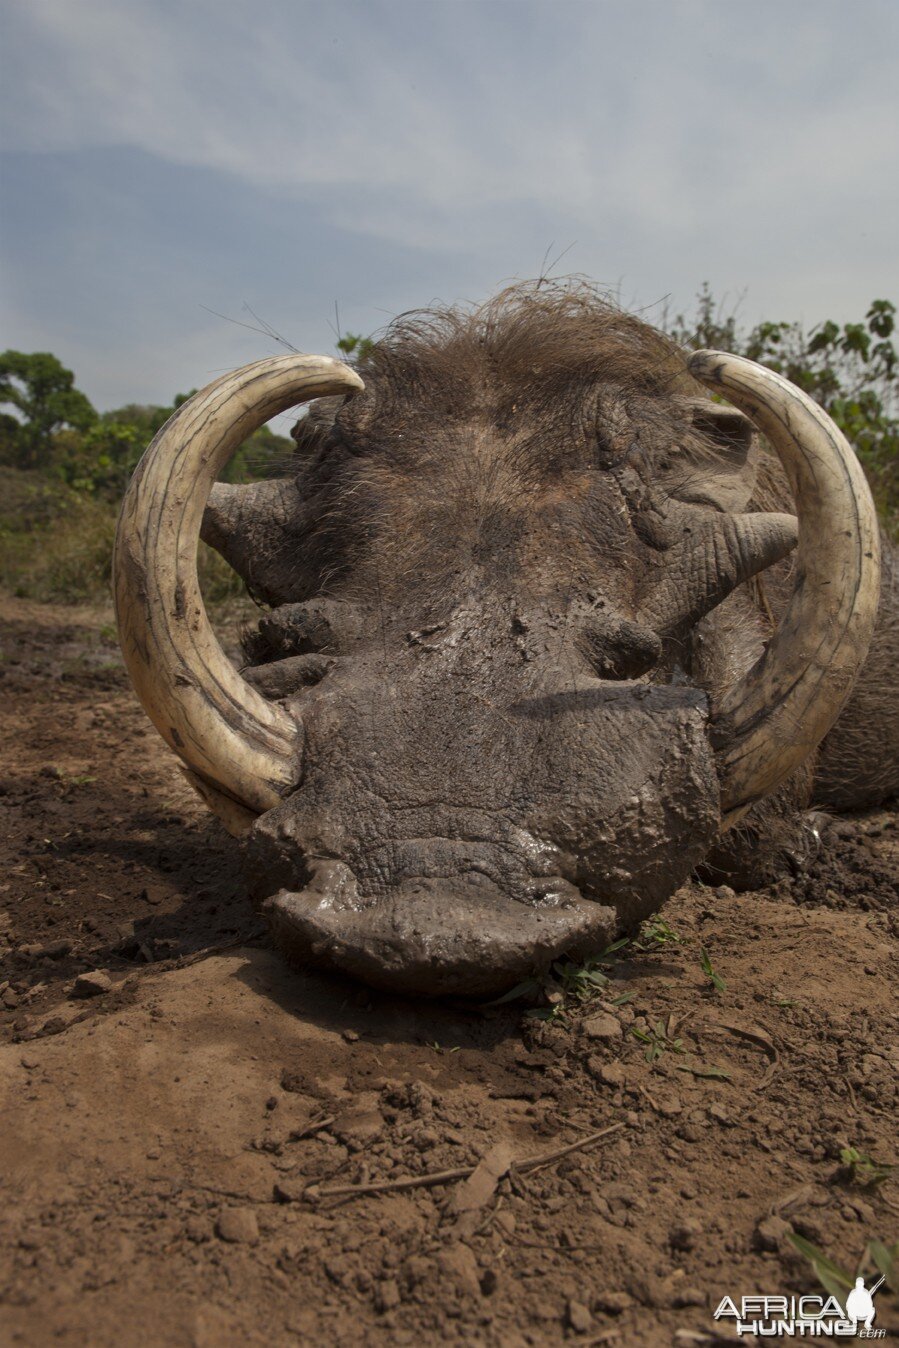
158,1139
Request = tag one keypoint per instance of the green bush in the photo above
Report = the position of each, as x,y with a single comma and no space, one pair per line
56,544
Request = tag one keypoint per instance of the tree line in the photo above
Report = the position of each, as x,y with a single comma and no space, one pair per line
55,431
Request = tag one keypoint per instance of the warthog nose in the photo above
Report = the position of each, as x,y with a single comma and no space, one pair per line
461,936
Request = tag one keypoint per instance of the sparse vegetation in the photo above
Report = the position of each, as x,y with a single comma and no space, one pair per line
56,544
567,985
63,470
654,934
861,1169
659,1038
836,1281
715,979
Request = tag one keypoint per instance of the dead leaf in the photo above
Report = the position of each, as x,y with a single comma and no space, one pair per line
473,1193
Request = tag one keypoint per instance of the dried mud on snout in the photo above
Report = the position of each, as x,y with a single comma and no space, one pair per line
158,1137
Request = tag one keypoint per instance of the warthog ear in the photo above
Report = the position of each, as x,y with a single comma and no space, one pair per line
311,432
718,464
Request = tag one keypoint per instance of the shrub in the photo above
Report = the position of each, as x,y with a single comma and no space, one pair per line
56,544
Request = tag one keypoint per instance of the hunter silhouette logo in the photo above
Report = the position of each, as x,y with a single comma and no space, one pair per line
860,1302
805,1317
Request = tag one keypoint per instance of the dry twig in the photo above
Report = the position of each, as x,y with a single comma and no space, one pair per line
436,1177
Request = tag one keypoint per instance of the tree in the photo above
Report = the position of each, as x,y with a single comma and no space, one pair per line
99,460
263,453
355,345
43,393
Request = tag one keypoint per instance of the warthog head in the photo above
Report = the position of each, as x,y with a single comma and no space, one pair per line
494,713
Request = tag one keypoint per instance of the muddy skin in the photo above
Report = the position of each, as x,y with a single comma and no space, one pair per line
458,828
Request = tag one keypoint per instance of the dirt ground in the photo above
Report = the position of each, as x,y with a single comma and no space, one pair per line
167,1142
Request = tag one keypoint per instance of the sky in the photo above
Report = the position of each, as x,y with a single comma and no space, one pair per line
171,168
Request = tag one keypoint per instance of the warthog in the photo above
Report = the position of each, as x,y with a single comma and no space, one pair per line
542,633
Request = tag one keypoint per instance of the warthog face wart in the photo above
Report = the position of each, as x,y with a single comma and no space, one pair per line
512,684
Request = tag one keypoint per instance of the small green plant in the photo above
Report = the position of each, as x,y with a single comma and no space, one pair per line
862,1169
836,1280
657,1040
582,982
656,933
566,983
714,978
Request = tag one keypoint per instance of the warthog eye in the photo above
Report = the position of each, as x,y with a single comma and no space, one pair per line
620,649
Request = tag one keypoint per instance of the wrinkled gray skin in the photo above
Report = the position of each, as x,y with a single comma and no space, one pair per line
504,598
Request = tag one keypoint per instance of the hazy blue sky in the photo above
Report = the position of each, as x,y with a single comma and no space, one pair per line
160,156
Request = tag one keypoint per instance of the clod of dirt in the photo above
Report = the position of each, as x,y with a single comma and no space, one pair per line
685,1235
613,1303
387,1297
459,1266
770,1233
238,1226
609,1073
45,950
92,984
602,1026
288,1191
578,1316
477,1190
358,1128
198,1229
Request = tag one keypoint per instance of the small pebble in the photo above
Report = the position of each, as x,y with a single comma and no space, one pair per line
770,1232
613,1303
387,1297
578,1317
238,1226
93,984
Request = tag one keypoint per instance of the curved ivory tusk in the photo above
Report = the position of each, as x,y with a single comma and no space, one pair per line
230,737
782,708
